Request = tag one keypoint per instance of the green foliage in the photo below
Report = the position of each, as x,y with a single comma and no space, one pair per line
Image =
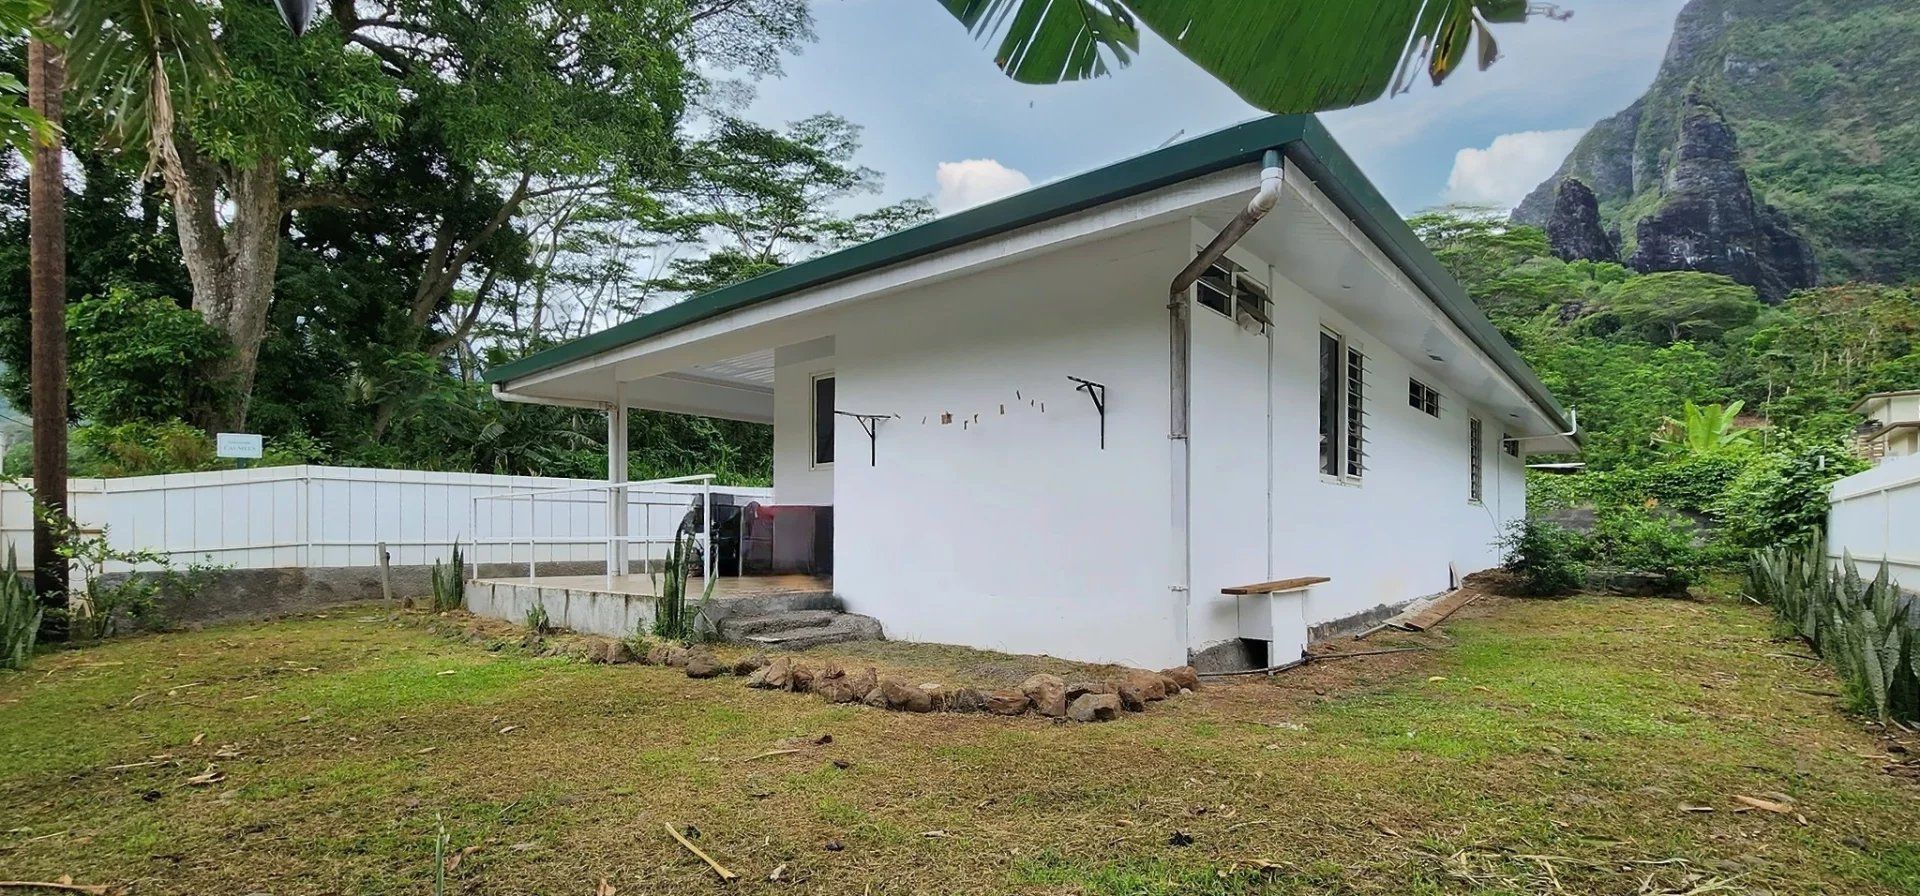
1643,538
450,583
1865,629
139,448
1705,430
1546,557
140,358
20,614
537,620
1674,306
1782,495
1280,55
674,617
110,603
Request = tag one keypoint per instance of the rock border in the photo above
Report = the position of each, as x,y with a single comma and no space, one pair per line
1044,694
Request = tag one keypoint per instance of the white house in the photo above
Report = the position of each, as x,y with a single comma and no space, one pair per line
1063,460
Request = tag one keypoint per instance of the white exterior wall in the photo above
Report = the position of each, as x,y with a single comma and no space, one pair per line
312,516
1017,533
796,480
1875,517
1387,539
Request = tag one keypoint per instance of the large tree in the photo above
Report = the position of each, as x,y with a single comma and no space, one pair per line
497,104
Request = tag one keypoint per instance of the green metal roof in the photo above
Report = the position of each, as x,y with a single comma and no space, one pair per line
1301,137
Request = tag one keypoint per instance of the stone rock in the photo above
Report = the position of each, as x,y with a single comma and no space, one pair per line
1709,220
902,697
748,665
619,653
1007,703
757,679
1076,688
1094,708
656,655
1183,677
838,687
1634,583
1575,230
597,651
1132,698
1149,685
802,679
1048,693
703,664
677,656
777,676
968,700
937,696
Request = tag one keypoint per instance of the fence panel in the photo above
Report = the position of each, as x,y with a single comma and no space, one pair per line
1874,517
315,516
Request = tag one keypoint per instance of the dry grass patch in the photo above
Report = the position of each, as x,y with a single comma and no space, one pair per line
1544,747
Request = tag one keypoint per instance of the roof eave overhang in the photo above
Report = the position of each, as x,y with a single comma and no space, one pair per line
1303,139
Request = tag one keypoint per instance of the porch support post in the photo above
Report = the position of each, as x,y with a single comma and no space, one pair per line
617,546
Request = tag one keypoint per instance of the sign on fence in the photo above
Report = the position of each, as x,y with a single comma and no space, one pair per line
245,445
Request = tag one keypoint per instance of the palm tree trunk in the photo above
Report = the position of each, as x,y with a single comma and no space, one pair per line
46,73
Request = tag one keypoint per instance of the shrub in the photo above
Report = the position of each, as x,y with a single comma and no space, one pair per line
1782,496
142,358
1546,557
1642,538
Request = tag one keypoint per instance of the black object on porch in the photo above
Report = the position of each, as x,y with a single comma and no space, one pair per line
757,539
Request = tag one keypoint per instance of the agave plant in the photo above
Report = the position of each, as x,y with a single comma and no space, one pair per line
20,615
673,617
1866,628
450,583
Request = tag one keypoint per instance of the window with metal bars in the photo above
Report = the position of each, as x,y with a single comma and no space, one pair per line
1474,474
1230,290
1423,398
1509,445
1343,415
1356,413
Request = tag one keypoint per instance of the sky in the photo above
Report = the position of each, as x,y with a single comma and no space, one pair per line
940,122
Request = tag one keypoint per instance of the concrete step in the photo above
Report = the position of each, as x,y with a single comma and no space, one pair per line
738,627
800,629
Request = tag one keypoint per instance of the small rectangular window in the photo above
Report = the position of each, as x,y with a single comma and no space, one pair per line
823,420
1356,413
1343,414
1507,444
1228,290
1215,287
1329,404
1473,459
1423,398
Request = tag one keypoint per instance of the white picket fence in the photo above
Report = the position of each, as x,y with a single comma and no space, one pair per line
313,516
1874,517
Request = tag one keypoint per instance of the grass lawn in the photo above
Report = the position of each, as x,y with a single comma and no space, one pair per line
1544,747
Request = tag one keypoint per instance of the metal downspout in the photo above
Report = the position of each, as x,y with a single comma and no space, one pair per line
1180,369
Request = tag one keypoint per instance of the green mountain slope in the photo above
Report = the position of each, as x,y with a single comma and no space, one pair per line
1822,98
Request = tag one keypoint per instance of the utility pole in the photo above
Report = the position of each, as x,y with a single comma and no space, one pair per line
47,223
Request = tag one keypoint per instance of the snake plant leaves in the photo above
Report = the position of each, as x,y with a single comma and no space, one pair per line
1280,55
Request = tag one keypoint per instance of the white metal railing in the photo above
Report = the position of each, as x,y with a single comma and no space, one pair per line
619,500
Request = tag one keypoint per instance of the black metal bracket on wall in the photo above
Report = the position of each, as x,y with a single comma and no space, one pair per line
1097,392
870,424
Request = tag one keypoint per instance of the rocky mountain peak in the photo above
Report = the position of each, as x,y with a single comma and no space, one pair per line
1574,229
1709,220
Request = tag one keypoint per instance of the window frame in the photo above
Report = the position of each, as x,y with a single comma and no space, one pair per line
1423,398
1347,454
1476,462
813,422
1245,293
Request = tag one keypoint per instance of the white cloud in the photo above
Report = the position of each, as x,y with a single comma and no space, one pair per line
974,181
1502,173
